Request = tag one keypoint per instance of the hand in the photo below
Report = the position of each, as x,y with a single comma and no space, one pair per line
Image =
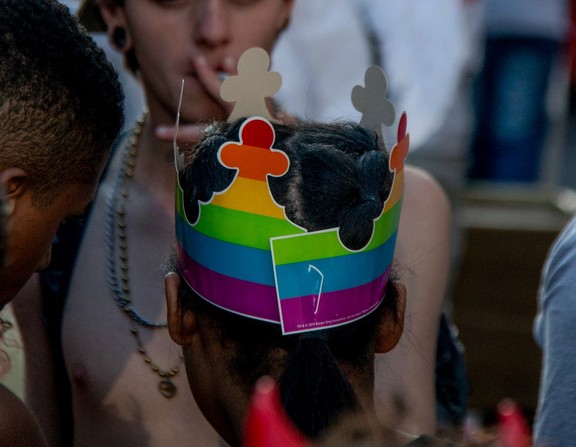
211,81
188,134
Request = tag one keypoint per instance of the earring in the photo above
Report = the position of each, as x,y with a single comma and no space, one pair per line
119,37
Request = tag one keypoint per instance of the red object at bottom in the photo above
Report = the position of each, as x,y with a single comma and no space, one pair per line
267,425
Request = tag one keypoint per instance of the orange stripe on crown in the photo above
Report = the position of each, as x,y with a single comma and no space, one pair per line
254,162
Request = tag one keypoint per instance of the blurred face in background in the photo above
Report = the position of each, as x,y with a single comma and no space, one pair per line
173,40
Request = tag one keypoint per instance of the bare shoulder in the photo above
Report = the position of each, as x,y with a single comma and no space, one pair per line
422,265
17,425
423,246
425,201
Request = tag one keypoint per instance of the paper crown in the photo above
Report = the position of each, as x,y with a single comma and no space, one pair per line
244,255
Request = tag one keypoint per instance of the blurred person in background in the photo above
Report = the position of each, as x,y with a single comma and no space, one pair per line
555,332
525,41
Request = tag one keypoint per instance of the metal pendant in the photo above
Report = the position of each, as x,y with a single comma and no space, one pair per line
167,388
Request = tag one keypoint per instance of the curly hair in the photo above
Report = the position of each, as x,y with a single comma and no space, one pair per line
333,168
61,104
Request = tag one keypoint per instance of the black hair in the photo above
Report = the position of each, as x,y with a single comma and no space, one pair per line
365,430
61,104
338,177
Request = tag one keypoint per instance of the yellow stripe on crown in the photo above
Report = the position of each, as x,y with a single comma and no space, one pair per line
251,196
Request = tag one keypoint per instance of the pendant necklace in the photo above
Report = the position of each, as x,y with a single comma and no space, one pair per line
117,262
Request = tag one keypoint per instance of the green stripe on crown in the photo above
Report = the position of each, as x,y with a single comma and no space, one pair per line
326,244
239,227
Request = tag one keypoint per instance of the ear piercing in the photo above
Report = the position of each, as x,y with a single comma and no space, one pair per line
119,37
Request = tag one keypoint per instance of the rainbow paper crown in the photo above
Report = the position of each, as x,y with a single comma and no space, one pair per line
244,255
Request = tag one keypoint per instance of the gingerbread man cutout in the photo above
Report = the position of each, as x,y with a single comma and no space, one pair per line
371,101
251,86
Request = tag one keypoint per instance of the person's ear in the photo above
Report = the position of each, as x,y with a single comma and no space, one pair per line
116,28
14,181
181,322
391,328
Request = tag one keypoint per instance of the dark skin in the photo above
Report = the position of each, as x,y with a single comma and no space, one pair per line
17,425
31,223
220,394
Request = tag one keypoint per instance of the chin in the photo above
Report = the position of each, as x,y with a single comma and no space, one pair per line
202,108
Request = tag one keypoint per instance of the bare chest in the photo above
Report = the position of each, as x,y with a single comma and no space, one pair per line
128,379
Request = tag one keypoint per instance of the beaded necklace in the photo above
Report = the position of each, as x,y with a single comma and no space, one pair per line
117,259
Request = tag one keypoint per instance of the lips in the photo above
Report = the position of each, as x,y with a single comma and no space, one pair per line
222,74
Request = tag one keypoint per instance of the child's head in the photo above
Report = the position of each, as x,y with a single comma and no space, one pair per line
338,177
60,110
164,42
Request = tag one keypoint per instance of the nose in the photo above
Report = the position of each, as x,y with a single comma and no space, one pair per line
211,26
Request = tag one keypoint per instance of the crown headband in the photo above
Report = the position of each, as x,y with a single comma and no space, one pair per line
244,255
